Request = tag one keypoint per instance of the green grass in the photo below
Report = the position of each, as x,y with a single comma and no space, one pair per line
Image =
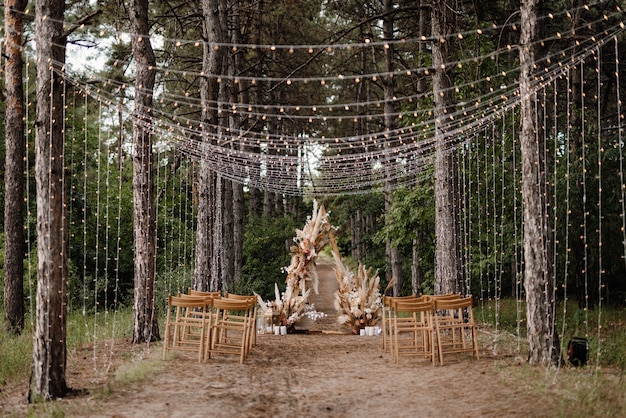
605,330
15,355
16,351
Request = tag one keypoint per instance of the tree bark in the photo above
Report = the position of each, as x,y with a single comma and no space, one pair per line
392,252
145,320
14,169
206,220
536,282
447,227
417,275
207,275
236,122
49,345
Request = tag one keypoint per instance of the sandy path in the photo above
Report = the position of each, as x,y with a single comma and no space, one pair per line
316,375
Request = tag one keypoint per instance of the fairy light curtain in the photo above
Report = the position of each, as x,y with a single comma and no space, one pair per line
311,159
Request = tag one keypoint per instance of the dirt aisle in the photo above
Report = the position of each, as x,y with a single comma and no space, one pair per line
313,375
324,301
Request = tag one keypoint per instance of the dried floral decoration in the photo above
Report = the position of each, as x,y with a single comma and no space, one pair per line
291,306
358,300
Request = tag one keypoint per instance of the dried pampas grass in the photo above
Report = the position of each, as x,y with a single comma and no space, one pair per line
358,300
288,308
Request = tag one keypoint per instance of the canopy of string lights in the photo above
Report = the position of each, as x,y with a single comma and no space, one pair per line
330,146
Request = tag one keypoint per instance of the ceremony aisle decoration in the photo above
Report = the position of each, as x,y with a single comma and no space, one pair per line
358,300
290,306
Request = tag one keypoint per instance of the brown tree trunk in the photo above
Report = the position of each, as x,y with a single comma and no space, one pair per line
206,220
145,322
236,122
447,227
535,259
207,275
14,169
417,275
239,212
392,252
49,345
217,235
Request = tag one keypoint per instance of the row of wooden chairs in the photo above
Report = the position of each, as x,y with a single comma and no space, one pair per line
208,323
428,326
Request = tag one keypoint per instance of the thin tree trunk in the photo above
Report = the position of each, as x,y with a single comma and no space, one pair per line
145,321
239,212
417,275
447,227
49,345
393,252
217,234
236,122
207,274
206,217
14,169
535,260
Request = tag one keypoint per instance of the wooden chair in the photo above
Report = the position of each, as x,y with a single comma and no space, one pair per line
253,314
412,329
230,330
184,331
387,319
455,327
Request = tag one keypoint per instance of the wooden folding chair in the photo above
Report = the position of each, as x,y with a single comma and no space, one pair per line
230,329
387,319
185,331
412,329
253,314
455,327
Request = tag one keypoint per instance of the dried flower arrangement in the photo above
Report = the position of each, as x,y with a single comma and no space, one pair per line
358,299
288,308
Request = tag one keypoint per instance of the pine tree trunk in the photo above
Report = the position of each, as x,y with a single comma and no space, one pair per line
239,213
237,122
49,346
535,261
393,253
14,169
145,321
207,275
417,275
205,185
447,227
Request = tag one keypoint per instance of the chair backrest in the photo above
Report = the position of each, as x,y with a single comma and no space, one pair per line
239,297
458,303
412,306
192,292
447,296
228,304
185,301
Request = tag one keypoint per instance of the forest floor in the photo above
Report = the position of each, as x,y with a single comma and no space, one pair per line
323,374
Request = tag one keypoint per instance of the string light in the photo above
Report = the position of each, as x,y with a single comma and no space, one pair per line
343,164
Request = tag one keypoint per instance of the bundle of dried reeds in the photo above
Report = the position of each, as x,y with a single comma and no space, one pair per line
358,299
288,308
309,242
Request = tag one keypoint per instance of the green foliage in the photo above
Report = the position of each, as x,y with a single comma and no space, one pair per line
266,252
